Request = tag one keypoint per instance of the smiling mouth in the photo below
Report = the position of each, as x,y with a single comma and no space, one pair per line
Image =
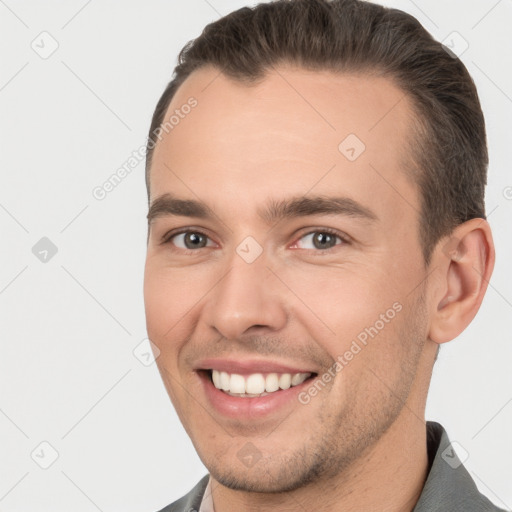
255,384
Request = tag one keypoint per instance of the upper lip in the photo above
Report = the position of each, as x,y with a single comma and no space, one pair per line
248,366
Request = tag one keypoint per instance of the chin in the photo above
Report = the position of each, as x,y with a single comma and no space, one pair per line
273,474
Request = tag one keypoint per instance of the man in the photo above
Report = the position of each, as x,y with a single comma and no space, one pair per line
316,175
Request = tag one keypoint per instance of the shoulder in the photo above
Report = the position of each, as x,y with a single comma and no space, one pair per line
191,501
449,485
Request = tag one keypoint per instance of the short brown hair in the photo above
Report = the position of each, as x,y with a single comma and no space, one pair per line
449,143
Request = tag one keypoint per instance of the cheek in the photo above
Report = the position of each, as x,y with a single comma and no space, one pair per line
165,306
340,304
168,300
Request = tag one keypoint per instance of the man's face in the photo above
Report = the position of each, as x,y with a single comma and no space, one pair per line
250,287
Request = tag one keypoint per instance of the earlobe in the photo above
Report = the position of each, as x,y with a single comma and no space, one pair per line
465,262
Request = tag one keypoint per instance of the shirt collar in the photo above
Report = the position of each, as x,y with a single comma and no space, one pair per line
449,486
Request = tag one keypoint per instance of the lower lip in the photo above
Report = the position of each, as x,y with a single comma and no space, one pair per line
250,408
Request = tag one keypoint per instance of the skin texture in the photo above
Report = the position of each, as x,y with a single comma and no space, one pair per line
359,443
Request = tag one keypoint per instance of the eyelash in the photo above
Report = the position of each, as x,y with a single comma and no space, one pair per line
344,239
167,239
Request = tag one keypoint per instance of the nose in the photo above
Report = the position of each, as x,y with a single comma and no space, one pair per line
247,298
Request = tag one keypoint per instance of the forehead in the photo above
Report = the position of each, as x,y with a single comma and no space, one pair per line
291,132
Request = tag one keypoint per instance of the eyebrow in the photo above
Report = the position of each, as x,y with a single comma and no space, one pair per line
169,205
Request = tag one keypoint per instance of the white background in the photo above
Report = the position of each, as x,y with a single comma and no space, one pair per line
68,327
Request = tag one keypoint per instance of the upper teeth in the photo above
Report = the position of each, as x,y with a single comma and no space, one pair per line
256,383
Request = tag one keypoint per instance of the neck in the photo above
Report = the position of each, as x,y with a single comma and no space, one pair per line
389,476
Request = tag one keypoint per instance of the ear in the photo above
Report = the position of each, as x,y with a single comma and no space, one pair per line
465,261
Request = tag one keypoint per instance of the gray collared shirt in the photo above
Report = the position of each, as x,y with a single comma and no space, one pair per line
448,488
